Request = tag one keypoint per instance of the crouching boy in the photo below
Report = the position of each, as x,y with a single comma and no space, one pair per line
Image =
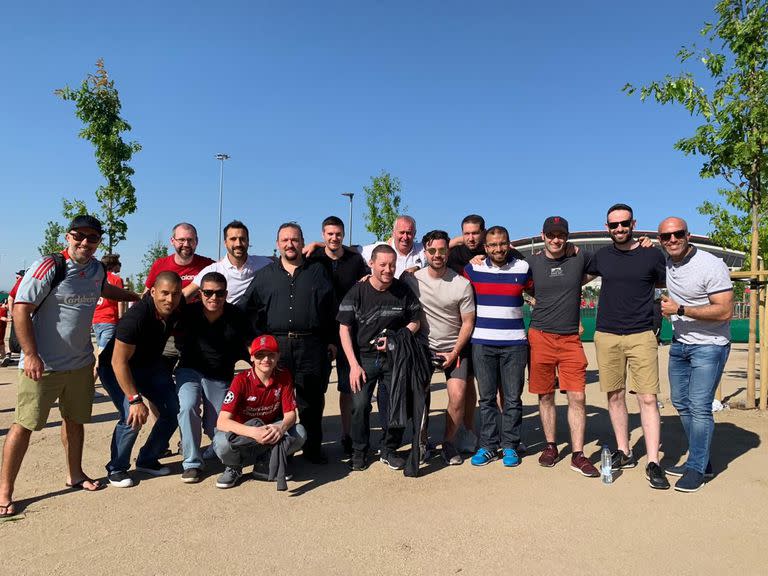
258,418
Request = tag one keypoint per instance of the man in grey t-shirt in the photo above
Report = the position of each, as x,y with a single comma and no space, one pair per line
447,319
700,306
53,324
554,340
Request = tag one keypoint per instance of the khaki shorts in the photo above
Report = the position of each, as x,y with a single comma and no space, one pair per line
73,389
638,351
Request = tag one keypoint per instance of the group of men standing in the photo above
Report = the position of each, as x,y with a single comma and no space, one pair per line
325,302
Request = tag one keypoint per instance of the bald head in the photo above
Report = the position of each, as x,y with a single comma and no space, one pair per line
674,222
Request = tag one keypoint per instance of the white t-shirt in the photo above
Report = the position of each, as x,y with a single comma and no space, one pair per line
691,282
415,257
238,279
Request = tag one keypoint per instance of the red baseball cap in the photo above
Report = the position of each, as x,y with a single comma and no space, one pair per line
264,342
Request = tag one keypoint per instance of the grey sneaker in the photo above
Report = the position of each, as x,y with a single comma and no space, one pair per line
191,476
451,455
153,468
229,477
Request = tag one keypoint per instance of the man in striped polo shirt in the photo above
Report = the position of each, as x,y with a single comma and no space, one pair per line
499,346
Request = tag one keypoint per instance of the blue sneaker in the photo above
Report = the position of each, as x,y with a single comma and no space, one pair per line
484,456
510,457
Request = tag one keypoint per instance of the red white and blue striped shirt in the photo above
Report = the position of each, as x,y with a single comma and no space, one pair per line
499,295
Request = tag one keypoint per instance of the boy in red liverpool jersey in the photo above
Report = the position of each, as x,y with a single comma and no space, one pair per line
258,411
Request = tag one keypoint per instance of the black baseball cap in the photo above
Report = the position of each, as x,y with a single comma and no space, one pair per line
86,221
555,224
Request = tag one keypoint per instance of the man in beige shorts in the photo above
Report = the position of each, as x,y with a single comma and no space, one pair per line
52,314
624,337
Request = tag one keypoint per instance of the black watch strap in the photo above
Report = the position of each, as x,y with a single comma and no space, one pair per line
681,310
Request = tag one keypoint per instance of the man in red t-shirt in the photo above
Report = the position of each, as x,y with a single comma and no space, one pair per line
108,312
184,261
258,411
7,318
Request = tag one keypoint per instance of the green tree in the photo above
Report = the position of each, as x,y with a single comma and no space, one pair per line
158,249
382,199
53,239
733,140
97,105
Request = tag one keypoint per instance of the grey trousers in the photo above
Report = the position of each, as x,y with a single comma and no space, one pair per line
238,451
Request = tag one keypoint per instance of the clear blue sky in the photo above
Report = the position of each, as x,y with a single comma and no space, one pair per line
505,108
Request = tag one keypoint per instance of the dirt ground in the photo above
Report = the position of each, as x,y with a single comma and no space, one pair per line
458,520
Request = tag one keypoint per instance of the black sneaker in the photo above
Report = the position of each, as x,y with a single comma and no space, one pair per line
690,482
153,468
191,476
261,469
346,445
679,471
317,457
358,462
120,479
393,461
5,361
620,460
656,477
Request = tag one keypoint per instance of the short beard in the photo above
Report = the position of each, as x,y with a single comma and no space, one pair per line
627,241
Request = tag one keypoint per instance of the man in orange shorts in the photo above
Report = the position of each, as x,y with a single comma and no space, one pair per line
553,337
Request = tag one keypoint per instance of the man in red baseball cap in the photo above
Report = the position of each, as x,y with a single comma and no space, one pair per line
258,411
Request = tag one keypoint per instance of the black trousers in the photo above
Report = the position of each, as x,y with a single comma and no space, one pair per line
307,359
378,371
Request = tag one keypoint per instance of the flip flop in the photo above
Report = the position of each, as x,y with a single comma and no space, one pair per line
8,512
79,485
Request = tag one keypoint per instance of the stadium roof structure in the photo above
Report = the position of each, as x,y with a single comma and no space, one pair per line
592,241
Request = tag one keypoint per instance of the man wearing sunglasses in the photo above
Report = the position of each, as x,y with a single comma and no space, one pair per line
553,336
700,307
53,325
447,319
237,266
624,337
212,337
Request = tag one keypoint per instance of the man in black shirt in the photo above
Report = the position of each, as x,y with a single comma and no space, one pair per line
292,299
345,267
624,337
131,367
471,243
381,302
212,337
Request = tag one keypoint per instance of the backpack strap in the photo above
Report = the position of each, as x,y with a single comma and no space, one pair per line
60,272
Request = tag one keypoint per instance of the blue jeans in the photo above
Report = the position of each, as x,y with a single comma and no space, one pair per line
103,332
500,367
194,388
694,374
155,383
238,451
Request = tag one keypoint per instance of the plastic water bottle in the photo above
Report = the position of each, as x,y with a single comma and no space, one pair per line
605,465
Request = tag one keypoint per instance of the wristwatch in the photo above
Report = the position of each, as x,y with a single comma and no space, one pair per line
681,310
135,399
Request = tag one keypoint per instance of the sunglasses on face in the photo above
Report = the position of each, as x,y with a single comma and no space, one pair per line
90,238
622,223
667,236
212,293
441,251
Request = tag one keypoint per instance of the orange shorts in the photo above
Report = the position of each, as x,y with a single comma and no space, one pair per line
550,351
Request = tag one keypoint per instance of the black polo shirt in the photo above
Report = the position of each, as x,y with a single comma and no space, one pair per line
277,302
344,272
459,256
143,328
212,348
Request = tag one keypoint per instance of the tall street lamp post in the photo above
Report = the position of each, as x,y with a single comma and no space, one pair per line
221,158
349,195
